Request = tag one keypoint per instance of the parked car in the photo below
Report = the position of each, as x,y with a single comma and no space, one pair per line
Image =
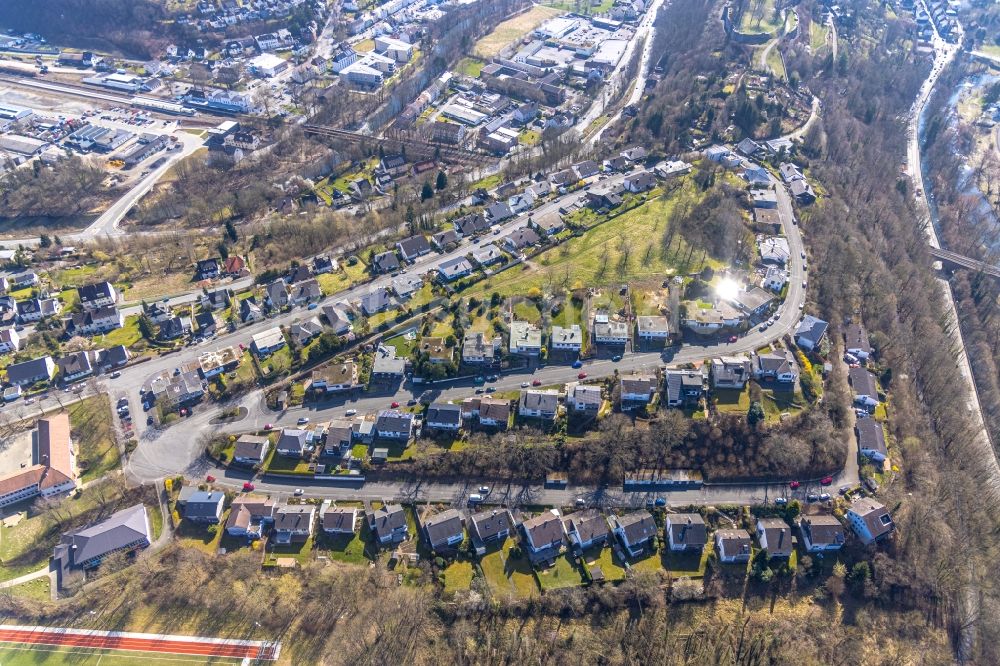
537,382
794,484
248,487
394,405
580,502
475,498
826,480
210,479
824,497
812,497
582,375
616,358
298,492
660,501
491,389
303,420
484,490
525,384
578,364
780,501
350,412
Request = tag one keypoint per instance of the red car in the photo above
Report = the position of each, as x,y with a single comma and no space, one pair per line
794,484
210,479
733,338
826,480
268,426
394,405
537,382
247,487
582,375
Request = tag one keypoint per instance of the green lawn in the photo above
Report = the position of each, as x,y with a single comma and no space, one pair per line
731,400
277,364
525,310
775,63
70,298
690,565
127,335
286,465
339,280
36,590
564,573
458,577
530,138
817,35
343,548
765,19
93,431
300,552
508,576
74,277
777,402
653,563
404,347
625,248
201,537
360,451
470,67
605,559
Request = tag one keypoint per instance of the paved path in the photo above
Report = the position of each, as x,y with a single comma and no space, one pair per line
40,573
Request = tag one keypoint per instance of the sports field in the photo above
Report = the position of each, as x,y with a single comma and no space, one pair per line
32,655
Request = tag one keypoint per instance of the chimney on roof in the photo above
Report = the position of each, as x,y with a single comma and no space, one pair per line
781,537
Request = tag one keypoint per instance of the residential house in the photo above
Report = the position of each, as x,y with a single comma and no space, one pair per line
864,388
548,224
587,529
733,545
375,301
634,531
870,520
385,262
636,390
498,212
491,412
175,327
23,280
291,442
821,533
774,536
757,176
802,192
127,530
36,370
490,527
773,250
276,295
207,324
413,247
443,416
543,536
642,181
99,295
306,291
730,372
684,388
749,147
337,319
304,331
340,520
445,239
586,169
436,349
251,449
75,365
386,367
216,300
10,341
790,172
392,424
339,437
653,329
539,404
775,279
525,338
392,165
871,439
810,332
113,357
471,224
619,163
685,531
250,311
605,197
36,309
607,331
763,198
775,366
445,132
521,202
389,524
856,341
323,264
249,515
204,507
444,531
293,523
520,238
455,268
477,349
267,342
487,255
753,301
566,338
585,398
335,377
207,269
234,266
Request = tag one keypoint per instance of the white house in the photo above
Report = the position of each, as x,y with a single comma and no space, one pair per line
870,520
566,338
821,533
733,546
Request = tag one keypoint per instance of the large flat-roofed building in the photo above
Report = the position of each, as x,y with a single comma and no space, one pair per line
14,113
267,65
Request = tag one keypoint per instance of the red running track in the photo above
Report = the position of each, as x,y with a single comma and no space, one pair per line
107,642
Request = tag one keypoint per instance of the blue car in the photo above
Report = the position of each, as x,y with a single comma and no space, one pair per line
313,306
616,358
577,364
660,501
